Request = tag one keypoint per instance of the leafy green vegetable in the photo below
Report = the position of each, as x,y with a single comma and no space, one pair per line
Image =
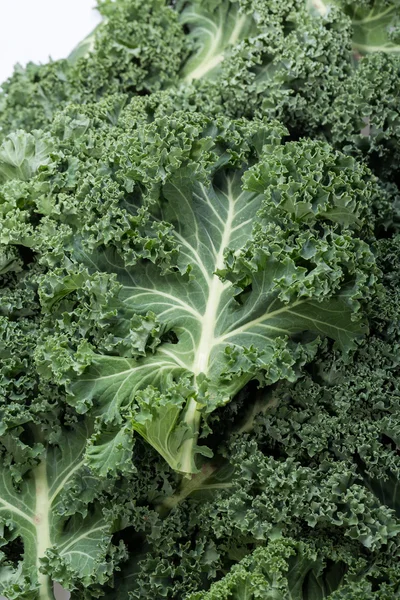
21,154
243,58
378,29
365,120
199,306
213,33
63,537
375,23
183,342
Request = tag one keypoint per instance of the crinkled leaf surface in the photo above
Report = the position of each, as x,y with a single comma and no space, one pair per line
21,154
214,28
281,570
213,337
62,540
376,24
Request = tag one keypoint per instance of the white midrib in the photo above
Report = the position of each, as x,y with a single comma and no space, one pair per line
207,65
216,289
42,525
212,60
207,337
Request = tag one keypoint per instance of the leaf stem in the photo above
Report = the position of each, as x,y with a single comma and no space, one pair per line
42,525
198,480
188,486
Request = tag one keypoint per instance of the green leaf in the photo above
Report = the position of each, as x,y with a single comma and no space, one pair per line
21,154
387,489
62,539
376,28
283,570
85,47
375,23
216,337
111,451
214,27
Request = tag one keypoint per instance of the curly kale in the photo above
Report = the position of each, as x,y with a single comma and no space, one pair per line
199,306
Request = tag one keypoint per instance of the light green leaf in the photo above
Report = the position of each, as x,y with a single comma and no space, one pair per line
58,542
215,27
21,154
221,342
111,451
374,29
283,570
376,25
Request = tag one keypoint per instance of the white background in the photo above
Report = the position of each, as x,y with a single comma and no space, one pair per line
34,30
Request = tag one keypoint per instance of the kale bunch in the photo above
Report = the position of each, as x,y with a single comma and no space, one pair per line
200,306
